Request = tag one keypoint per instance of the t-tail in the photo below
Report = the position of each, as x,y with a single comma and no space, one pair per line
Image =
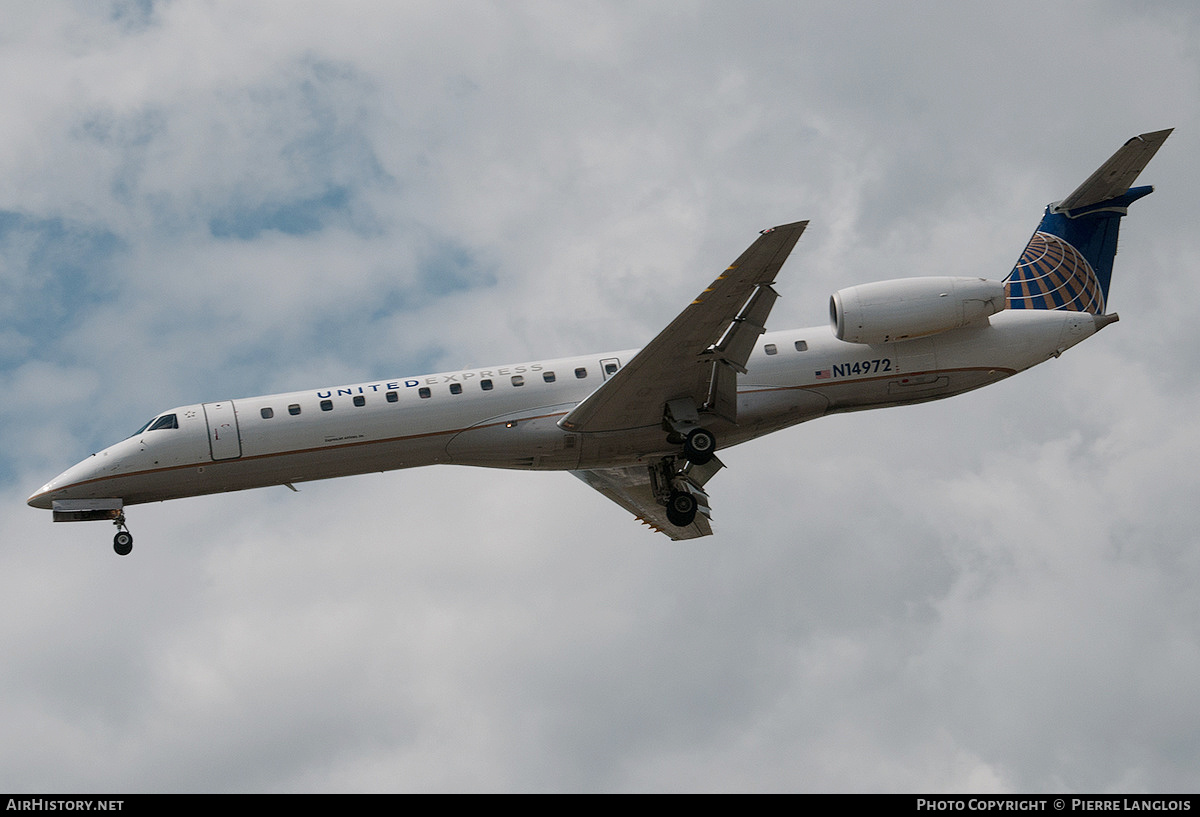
1068,261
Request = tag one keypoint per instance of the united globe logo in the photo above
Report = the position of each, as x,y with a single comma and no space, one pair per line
1054,275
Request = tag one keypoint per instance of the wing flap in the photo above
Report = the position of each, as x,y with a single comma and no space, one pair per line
743,333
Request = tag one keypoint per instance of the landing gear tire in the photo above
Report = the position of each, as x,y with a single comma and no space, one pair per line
700,446
123,542
681,509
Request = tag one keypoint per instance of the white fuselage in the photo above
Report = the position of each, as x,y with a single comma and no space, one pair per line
508,416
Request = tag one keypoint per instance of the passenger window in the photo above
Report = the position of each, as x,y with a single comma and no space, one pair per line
485,384
166,421
548,377
424,392
456,388
359,400
517,380
326,405
294,409
610,368
393,396
801,346
770,349
267,413
581,373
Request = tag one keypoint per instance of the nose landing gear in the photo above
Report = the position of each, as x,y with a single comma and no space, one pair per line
123,541
93,510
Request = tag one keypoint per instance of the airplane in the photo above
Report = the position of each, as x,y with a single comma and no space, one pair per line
642,426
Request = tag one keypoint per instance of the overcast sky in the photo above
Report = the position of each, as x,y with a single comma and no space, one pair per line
207,200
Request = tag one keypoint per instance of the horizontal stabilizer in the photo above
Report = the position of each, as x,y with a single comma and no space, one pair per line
1117,174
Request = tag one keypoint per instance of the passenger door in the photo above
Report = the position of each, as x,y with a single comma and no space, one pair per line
224,441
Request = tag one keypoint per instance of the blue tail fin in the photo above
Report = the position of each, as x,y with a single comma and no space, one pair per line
1068,261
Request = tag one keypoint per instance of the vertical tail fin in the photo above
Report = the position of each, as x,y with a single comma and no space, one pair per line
1068,261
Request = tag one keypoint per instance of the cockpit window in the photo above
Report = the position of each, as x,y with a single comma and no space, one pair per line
155,423
166,421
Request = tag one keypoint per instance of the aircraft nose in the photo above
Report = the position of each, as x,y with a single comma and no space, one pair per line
63,486
42,498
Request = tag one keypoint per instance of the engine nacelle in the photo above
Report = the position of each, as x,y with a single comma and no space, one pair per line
904,308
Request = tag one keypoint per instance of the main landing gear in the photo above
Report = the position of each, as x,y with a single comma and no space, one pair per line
678,485
681,508
678,482
123,541
682,423
699,446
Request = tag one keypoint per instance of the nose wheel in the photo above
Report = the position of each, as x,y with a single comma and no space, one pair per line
123,541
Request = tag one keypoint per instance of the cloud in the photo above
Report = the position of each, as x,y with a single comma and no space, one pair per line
205,201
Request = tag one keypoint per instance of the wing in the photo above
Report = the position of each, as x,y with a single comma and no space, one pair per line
700,353
632,488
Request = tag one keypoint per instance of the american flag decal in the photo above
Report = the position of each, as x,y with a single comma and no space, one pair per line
823,374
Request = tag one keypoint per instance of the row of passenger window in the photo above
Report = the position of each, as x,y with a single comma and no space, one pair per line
487,384
772,349
424,392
